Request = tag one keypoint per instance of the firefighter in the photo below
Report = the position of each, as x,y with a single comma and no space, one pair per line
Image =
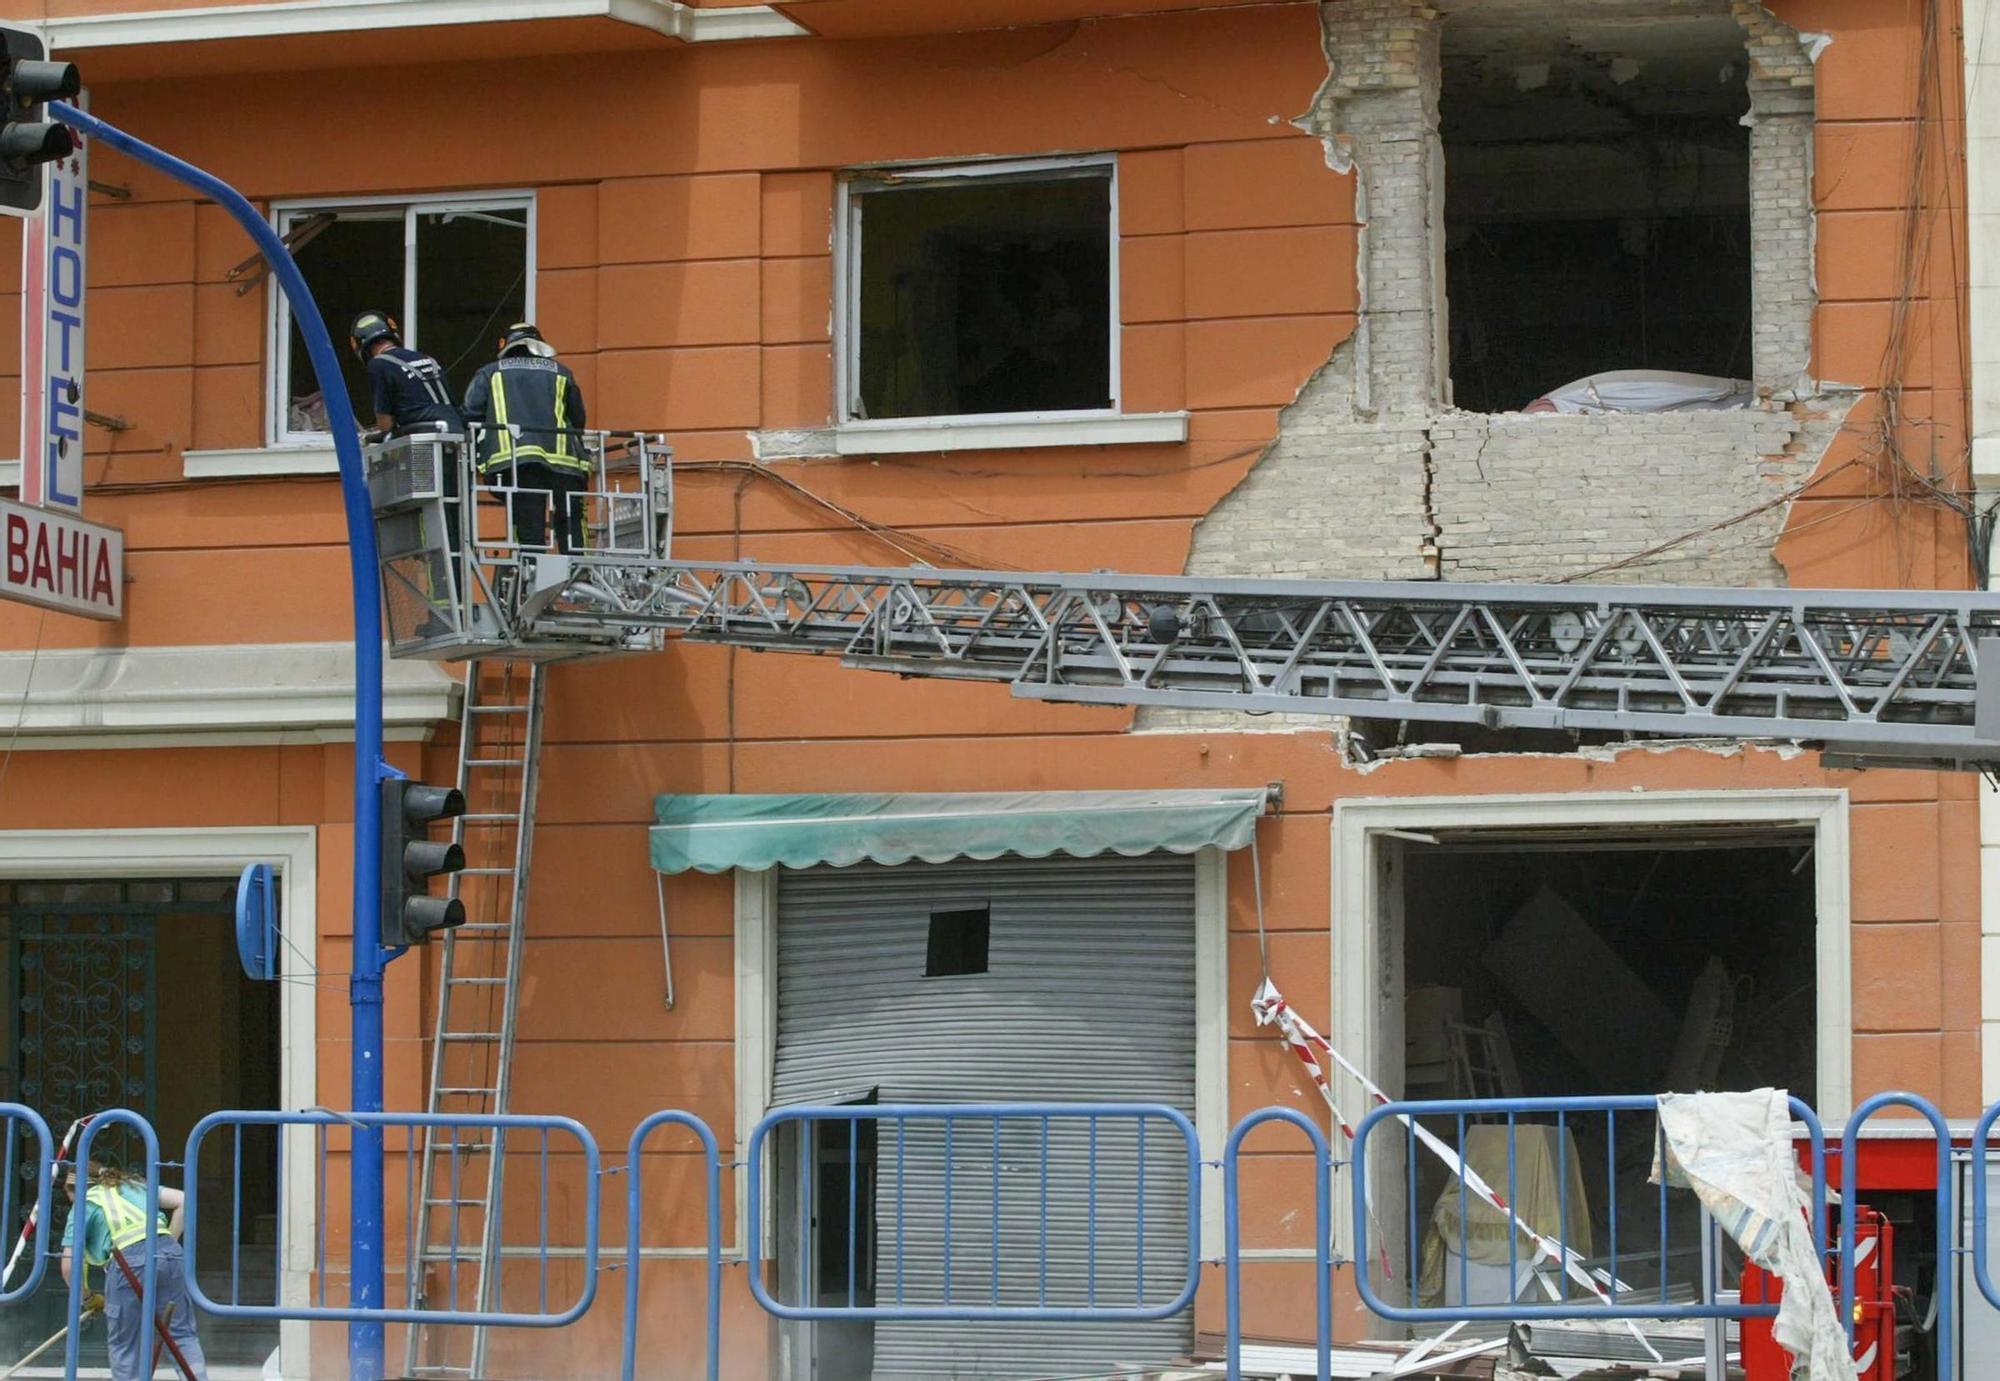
409,394
114,1215
407,386
531,412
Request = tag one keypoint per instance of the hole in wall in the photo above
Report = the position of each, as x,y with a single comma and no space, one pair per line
958,940
1597,199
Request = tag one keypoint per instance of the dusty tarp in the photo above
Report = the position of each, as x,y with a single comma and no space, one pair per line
712,834
1546,1192
1735,1151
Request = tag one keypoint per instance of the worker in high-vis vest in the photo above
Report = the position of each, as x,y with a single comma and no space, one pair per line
529,412
114,1214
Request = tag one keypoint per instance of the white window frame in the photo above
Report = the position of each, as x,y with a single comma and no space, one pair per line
279,318
756,930
851,192
1362,967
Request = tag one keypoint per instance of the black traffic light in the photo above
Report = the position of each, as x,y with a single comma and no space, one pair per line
27,140
410,859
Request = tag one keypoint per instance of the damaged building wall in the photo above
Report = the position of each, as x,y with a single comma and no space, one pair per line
1514,503
684,269
1404,485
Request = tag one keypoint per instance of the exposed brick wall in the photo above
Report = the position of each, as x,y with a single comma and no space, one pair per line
1388,482
1541,497
1781,218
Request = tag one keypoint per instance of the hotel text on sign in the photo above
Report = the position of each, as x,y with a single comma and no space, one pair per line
52,283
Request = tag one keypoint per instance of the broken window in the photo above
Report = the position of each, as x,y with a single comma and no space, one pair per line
1597,198
453,274
978,290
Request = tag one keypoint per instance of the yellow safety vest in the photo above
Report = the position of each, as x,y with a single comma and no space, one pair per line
125,1220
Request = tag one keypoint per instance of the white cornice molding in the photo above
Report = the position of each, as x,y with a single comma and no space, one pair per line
207,696
671,18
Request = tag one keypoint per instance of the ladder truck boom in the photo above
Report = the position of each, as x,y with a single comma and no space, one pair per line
1887,672
1887,676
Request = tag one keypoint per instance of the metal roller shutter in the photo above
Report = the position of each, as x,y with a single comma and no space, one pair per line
1088,997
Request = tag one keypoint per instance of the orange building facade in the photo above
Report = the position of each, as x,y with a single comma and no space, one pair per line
1286,277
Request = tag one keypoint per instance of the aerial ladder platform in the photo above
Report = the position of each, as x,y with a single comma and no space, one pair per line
1869,677
1889,675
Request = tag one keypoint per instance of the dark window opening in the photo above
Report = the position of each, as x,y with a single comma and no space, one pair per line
988,295
471,282
958,941
353,266
1597,202
1586,961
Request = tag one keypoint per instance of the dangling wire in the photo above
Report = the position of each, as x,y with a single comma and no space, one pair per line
1257,890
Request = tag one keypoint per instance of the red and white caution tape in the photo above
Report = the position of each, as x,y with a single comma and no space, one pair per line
1308,1045
28,1228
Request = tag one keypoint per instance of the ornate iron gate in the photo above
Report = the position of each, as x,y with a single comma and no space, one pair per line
81,998
81,987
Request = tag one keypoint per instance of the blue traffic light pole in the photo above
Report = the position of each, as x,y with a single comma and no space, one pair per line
364,989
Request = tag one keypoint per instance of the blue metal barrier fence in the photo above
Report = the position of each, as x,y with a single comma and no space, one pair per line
1322,1167
967,1199
526,1130
1946,1217
149,1270
1575,1285
634,1232
17,1121
965,1158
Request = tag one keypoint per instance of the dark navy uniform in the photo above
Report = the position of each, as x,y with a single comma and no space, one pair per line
533,417
408,387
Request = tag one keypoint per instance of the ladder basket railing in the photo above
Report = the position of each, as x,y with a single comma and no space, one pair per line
458,572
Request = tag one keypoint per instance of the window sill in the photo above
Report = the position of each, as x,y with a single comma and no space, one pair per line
259,460
972,434
219,465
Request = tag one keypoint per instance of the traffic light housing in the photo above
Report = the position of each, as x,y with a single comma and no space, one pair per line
410,859
27,138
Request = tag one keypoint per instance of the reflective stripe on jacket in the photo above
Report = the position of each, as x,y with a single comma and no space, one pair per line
533,411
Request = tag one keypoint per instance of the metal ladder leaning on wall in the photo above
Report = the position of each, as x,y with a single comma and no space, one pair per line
478,993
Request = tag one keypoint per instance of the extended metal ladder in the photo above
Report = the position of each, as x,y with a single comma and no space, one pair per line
458,1233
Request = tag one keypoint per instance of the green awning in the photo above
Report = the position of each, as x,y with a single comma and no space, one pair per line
713,834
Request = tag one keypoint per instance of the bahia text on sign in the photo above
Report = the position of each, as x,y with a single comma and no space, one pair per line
59,562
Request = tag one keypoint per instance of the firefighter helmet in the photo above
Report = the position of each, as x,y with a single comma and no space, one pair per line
370,327
524,337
